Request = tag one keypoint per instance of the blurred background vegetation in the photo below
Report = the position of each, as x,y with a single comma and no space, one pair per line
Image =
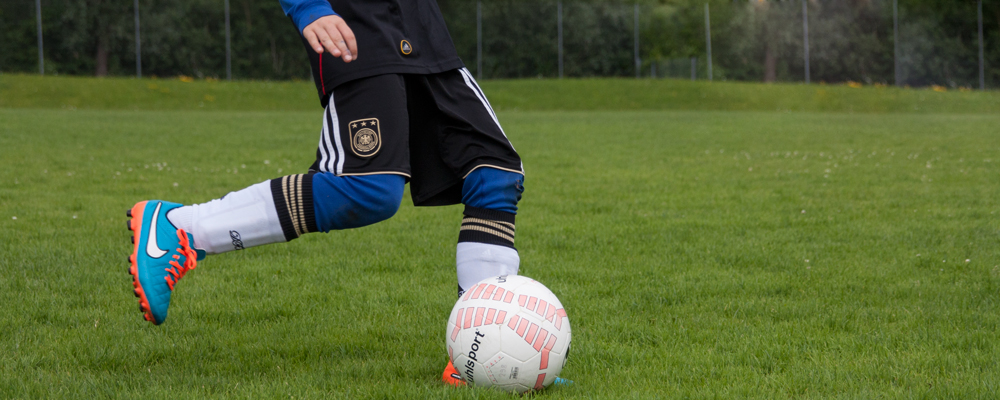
850,40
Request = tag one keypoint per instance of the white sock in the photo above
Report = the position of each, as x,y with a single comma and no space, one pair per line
477,261
240,219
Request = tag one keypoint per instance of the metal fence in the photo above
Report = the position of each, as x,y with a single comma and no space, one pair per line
869,42
903,42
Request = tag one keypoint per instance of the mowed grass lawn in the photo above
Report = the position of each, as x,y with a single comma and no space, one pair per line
699,254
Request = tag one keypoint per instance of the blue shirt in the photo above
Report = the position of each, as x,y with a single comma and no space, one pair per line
304,12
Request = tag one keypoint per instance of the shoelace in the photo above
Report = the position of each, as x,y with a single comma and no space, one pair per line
190,260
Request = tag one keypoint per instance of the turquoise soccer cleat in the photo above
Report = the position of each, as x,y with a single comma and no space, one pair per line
562,382
161,255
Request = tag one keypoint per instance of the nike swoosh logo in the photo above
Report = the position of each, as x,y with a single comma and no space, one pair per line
152,248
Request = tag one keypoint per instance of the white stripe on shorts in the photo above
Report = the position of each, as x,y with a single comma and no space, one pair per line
324,151
471,83
336,138
479,90
331,158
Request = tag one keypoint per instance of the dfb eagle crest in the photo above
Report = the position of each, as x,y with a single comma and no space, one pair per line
366,137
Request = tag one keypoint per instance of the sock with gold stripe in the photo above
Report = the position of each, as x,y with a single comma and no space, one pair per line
487,226
292,196
485,246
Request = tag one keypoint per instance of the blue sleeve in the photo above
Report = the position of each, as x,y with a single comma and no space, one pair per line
304,12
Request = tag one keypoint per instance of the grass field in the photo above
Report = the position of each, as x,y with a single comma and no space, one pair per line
27,91
699,253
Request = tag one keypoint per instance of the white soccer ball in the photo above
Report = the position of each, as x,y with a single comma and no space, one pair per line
508,332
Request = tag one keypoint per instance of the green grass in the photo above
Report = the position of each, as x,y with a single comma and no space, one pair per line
32,91
699,254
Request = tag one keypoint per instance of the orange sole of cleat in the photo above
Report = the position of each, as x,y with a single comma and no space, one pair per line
451,376
134,222
454,382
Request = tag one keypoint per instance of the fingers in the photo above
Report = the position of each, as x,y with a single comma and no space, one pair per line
313,40
348,35
340,46
332,34
328,41
319,39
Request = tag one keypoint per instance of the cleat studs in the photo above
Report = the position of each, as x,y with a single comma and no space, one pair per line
131,239
128,213
128,224
135,292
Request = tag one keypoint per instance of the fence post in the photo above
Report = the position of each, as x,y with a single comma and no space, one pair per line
638,62
229,64
982,60
41,53
805,35
479,39
895,41
559,18
708,41
138,42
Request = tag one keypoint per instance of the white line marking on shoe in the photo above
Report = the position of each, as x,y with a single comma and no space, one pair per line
152,248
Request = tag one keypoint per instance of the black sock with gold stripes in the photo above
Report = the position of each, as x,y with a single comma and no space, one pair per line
487,226
485,246
293,200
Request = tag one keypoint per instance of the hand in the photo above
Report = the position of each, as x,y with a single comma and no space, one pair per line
333,34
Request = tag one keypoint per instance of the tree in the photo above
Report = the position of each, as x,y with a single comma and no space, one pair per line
97,27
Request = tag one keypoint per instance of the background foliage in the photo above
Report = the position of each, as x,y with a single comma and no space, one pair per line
178,38
752,40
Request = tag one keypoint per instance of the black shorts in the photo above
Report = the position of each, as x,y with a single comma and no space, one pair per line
433,129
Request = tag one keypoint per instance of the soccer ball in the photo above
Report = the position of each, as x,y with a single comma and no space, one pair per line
508,332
